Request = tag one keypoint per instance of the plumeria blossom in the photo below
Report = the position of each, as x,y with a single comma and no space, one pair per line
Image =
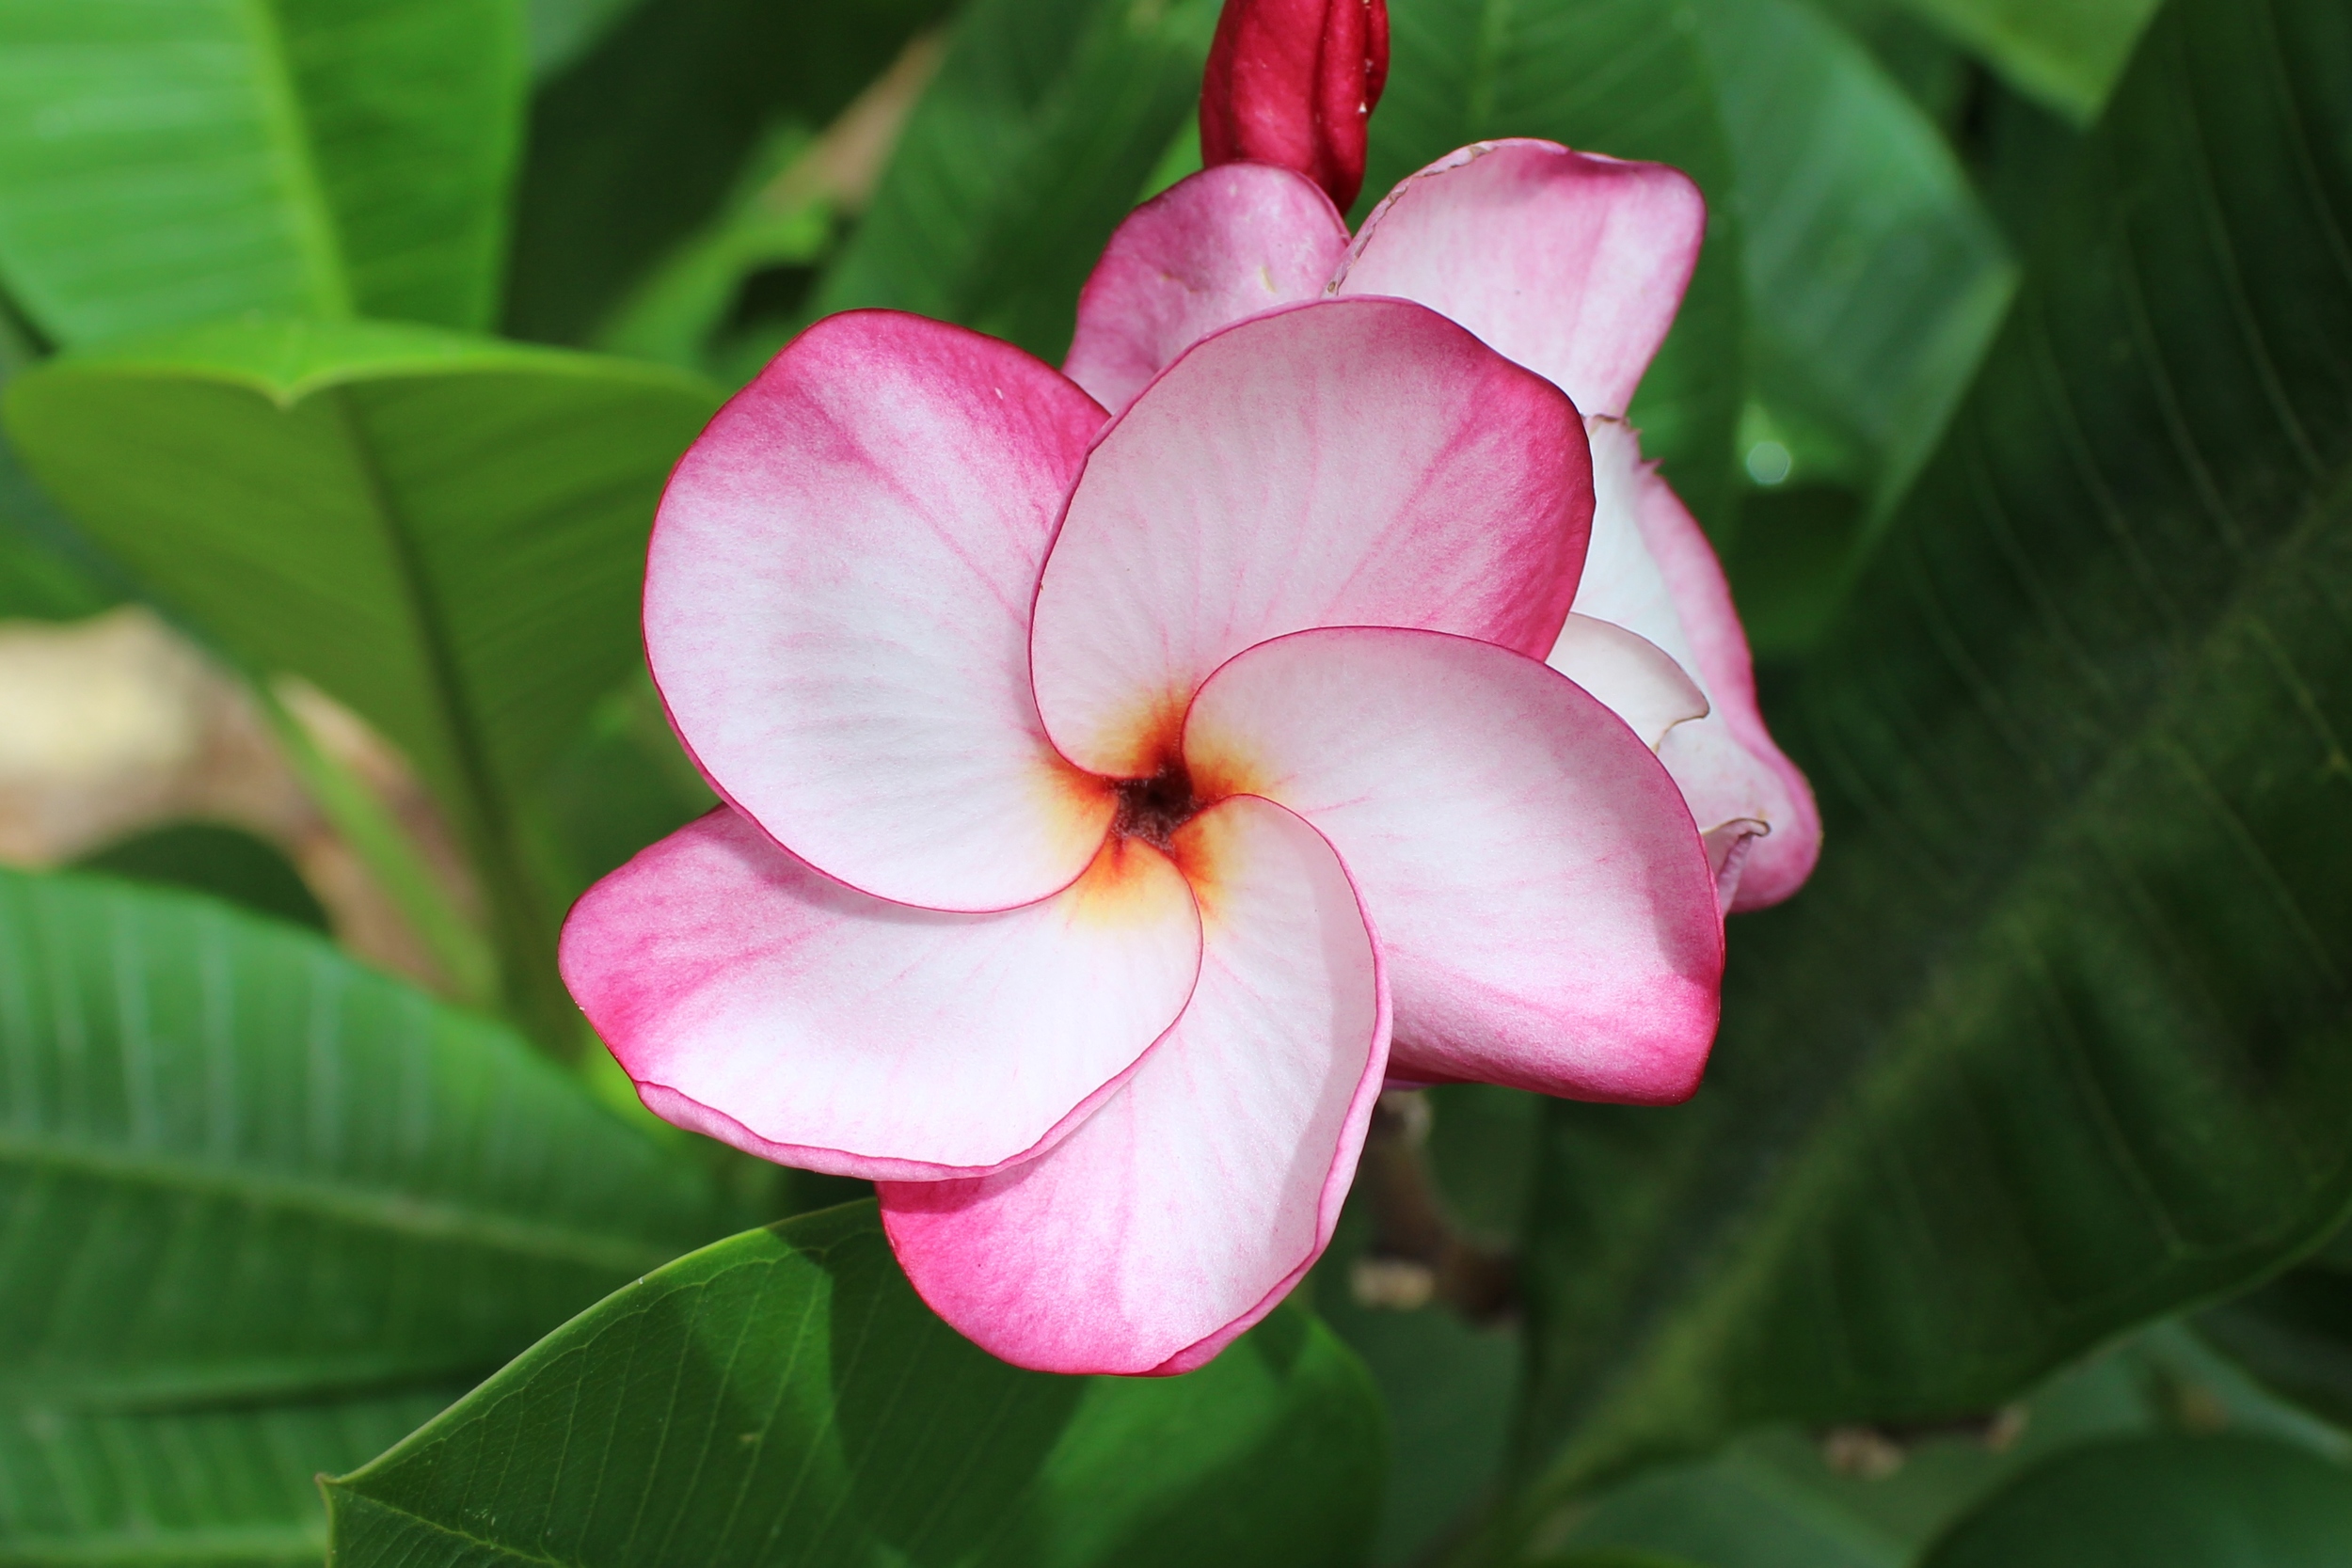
1113,803
1568,263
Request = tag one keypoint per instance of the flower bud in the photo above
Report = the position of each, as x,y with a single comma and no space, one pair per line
1292,82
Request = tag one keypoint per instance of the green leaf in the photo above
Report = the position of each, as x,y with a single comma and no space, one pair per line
635,145
2296,1332
1448,1385
2069,54
562,31
785,1396
265,1211
48,572
1875,280
1624,77
216,858
1776,1499
446,533
161,165
1027,151
2186,1502
2057,1041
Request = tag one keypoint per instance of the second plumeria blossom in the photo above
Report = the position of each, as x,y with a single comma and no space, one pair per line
1113,804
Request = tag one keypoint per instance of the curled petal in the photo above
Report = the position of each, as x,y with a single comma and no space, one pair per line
1546,909
1292,82
1218,247
1652,571
1571,264
836,610
811,1024
1630,675
1356,463
1192,1201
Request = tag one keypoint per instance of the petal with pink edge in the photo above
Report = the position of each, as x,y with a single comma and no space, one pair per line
836,609
1358,462
1546,910
1652,571
1210,251
811,1024
1571,264
1189,1204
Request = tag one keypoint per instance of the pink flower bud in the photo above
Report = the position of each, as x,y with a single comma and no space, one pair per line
1291,83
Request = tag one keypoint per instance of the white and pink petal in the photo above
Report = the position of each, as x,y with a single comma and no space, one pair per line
1651,571
1192,1201
1571,264
1213,248
1350,462
837,603
772,1008
1545,909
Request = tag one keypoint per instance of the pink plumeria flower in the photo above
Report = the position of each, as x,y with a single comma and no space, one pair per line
1105,795
1570,264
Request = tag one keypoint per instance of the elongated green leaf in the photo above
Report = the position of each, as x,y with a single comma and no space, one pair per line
262,1211
1874,277
636,144
2186,1502
1624,77
161,165
445,532
784,1398
47,571
1026,152
2057,1039
2066,53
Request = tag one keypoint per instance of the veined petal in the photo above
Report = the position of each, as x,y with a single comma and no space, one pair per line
1571,264
1546,910
1212,249
1652,571
1358,462
1192,1201
836,610
808,1023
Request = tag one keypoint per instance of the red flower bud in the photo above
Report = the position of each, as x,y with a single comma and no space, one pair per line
1293,82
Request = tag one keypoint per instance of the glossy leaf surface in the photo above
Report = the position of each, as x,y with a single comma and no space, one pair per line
262,1210
2067,53
1028,149
636,142
1875,279
784,1398
2055,1041
161,165
1624,77
446,533
2186,1502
